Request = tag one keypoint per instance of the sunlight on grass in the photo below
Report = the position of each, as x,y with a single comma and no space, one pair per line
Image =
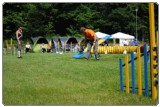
52,79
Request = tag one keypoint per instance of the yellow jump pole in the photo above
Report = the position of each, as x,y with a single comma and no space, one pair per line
152,51
127,74
139,76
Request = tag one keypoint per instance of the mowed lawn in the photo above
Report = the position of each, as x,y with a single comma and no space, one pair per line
54,79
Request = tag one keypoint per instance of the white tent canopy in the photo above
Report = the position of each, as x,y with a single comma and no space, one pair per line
101,35
121,35
118,35
123,38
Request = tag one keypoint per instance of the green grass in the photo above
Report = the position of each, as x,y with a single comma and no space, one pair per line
52,79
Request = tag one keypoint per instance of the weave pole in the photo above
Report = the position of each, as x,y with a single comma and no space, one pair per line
133,74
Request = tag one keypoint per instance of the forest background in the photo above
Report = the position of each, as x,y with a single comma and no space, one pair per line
65,19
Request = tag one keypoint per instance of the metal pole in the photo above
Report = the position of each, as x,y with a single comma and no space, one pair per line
136,24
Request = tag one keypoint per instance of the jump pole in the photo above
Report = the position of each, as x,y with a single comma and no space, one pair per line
153,63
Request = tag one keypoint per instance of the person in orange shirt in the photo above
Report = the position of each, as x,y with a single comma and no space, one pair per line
92,40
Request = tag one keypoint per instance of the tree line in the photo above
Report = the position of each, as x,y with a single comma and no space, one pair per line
65,19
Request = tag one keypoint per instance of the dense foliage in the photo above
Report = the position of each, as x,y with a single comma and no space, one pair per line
50,19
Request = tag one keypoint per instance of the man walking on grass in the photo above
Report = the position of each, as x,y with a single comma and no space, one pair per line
92,40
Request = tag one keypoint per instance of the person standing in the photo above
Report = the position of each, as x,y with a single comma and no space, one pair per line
19,35
91,38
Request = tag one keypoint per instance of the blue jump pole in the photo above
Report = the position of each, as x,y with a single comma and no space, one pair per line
146,71
133,74
121,74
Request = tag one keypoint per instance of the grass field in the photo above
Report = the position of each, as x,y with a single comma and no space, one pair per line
53,79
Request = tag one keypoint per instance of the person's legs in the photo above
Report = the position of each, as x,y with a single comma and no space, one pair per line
19,50
89,46
96,50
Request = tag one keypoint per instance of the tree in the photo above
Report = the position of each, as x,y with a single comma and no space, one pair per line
48,19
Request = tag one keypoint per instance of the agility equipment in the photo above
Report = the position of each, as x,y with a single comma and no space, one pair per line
115,49
152,52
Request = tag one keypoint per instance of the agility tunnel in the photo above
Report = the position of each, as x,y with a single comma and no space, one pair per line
115,49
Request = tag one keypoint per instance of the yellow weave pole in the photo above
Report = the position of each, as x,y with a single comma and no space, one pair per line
7,43
152,51
11,42
127,73
139,74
